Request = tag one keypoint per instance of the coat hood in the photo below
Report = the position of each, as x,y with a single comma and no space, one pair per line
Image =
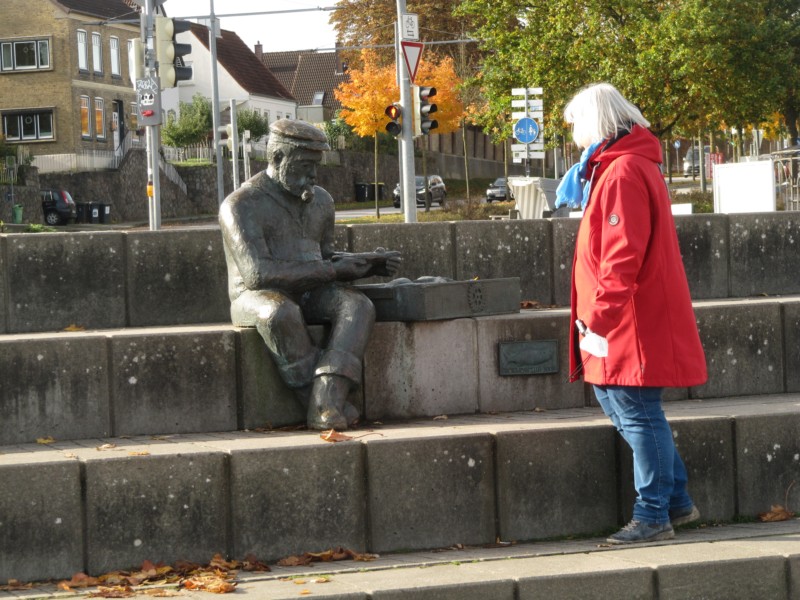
639,141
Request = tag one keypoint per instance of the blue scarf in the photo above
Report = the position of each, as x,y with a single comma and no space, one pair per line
573,191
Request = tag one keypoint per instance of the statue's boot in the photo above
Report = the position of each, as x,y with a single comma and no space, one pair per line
325,407
351,413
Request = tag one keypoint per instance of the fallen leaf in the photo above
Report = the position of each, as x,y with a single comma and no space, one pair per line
294,561
70,455
15,584
251,563
74,327
334,436
45,440
440,418
299,581
777,513
79,580
305,592
106,447
113,592
161,593
322,580
136,453
366,557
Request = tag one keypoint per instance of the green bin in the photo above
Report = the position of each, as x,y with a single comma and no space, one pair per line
17,214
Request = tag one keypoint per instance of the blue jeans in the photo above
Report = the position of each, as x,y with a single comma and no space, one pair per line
659,474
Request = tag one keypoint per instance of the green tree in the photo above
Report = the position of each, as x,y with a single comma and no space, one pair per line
249,119
684,62
192,126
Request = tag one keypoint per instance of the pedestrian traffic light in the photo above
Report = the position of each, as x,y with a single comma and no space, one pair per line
422,109
169,53
394,113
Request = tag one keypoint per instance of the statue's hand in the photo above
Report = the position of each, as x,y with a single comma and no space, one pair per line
350,266
389,263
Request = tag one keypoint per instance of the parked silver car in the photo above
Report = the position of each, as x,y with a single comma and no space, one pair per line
436,190
498,190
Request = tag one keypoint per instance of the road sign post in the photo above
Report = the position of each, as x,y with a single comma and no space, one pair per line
526,128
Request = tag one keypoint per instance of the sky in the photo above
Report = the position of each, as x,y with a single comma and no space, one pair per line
307,30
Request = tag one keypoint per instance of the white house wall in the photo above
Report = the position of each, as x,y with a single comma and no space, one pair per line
200,61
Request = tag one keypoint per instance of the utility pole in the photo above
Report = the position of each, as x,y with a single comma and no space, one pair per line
407,183
153,135
212,46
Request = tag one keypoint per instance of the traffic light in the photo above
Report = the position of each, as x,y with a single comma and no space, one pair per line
422,109
394,113
233,139
136,60
168,51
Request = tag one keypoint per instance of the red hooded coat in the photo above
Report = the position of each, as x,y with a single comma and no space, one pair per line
628,281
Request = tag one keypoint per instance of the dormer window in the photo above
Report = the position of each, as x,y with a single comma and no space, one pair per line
318,98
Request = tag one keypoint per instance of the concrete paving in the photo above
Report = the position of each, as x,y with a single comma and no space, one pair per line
736,561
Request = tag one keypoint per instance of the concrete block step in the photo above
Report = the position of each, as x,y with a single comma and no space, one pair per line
98,505
201,378
754,560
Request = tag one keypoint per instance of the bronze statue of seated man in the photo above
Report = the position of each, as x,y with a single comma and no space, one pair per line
283,273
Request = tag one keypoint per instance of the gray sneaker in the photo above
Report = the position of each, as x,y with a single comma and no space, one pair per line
638,531
685,516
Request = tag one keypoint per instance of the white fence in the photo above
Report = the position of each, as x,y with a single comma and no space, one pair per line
86,160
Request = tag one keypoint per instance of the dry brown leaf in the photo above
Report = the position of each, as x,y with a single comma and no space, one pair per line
106,447
332,435
113,592
79,580
440,418
366,557
15,584
777,513
45,440
139,453
73,327
294,561
305,592
161,593
251,563
322,580
299,581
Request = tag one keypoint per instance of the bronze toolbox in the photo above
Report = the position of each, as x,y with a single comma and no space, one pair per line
416,301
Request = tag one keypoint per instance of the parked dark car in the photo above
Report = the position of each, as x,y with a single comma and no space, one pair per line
436,189
58,207
498,190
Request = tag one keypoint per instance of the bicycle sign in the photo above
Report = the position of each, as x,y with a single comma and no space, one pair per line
526,130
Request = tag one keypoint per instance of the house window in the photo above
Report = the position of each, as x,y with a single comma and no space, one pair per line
25,55
115,70
97,53
100,118
86,131
318,98
28,125
83,51
134,116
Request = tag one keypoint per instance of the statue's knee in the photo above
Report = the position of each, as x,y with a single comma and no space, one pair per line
276,317
363,307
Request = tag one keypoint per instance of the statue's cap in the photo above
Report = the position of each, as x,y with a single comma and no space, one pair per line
298,133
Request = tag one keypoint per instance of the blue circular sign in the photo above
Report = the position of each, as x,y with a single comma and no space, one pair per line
526,130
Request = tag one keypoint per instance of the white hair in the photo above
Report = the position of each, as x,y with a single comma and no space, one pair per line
598,112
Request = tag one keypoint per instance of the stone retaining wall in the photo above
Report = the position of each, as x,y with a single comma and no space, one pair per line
173,277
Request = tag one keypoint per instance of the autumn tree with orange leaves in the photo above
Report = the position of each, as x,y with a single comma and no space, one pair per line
364,99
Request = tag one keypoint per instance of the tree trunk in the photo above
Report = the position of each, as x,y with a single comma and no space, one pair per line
375,180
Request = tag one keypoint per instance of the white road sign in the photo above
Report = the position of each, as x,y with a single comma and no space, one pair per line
410,27
531,155
531,91
532,104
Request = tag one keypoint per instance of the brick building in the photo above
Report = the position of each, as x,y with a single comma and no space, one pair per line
64,79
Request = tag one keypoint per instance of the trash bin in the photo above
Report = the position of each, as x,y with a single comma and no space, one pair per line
362,189
17,214
105,213
94,212
366,192
81,212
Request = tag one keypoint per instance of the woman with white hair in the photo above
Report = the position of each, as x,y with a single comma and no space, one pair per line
634,329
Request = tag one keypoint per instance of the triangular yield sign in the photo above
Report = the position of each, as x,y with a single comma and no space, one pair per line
411,53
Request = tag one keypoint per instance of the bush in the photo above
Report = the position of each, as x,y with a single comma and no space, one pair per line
702,202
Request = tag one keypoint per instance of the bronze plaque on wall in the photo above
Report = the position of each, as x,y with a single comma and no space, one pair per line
537,357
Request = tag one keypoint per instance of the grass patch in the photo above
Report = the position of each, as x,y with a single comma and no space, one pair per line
463,211
702,202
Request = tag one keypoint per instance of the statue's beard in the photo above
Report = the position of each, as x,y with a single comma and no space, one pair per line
308,193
